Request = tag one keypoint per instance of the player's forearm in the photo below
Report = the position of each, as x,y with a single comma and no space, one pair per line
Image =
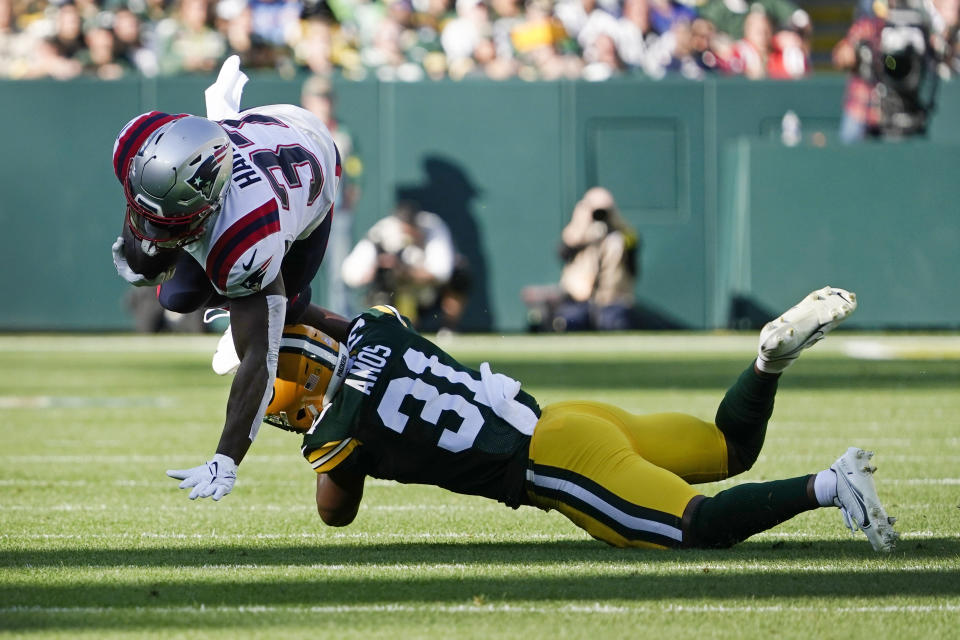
244,408
257,323
332,324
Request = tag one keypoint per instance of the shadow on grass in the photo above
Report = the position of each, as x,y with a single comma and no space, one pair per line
341,586
819,373
696,583
472,553
644,583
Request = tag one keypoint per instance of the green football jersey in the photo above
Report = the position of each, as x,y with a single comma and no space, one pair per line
408,411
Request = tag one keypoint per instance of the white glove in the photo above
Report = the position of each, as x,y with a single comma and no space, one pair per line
214,479
131,276
223,96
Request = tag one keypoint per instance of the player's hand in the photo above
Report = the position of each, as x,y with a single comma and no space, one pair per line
211,480
131,276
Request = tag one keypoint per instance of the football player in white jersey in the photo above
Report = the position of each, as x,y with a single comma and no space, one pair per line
232,212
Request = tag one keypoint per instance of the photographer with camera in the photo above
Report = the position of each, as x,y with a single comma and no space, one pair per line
892,55
408,260
599,252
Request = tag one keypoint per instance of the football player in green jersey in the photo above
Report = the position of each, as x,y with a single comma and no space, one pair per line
372,397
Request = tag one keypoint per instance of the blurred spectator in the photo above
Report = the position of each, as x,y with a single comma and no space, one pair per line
673,53
235,20
666,13
99,59
892,58
702,37
88,10
632,33
861,102
409,40
945,22
54,56
17,48
600,255
684,47
753,51
602,59
486,61
507,14
130,43
152,10
263,33
67,37
461,35
187,41
729,16
586,28
314,47
761,54
275,21
576,15
386,56
541,45
408,260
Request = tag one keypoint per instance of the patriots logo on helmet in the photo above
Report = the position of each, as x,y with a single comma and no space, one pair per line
205,176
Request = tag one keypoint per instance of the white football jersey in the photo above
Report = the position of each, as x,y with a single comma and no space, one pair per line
286,172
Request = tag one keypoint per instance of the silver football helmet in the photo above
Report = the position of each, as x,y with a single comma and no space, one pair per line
176,180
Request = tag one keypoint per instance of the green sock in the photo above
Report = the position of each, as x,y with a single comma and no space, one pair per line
737,513
744,412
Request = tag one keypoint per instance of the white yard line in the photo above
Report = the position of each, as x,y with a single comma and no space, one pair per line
86,402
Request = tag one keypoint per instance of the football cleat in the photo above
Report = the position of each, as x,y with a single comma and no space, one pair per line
858,502
802,326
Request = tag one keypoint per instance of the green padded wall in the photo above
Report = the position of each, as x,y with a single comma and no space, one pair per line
877,219
503,163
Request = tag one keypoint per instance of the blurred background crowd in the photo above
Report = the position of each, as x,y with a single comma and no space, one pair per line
409,40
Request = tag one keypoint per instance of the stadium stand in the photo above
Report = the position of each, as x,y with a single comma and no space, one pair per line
416,39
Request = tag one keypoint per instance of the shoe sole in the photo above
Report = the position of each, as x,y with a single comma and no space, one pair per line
784,333
877,525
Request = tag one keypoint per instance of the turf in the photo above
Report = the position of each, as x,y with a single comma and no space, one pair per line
97,542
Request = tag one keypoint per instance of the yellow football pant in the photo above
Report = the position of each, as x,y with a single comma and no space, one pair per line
623,478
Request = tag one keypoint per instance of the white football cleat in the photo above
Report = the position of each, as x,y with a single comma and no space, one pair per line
858,501
802,326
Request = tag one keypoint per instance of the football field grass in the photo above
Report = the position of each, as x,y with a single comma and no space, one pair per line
96,542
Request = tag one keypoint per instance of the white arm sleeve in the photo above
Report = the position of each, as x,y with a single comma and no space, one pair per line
276,311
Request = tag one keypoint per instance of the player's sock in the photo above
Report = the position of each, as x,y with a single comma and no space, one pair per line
743,415
825,487
735,514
